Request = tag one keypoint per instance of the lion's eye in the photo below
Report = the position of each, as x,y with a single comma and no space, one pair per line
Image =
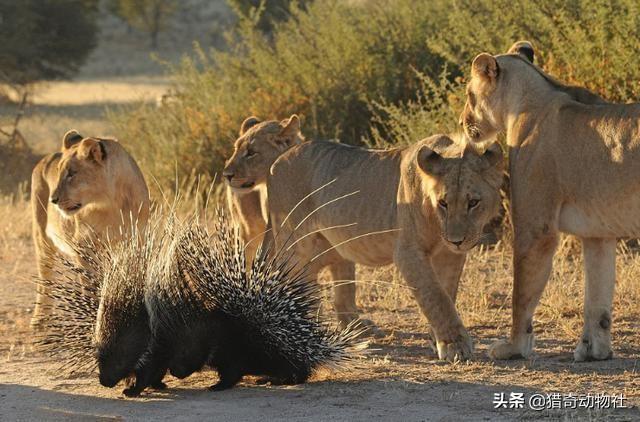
442,203
70,174
472,99
473,203
250,153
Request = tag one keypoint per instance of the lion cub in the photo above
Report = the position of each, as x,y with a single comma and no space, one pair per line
92,188
422,207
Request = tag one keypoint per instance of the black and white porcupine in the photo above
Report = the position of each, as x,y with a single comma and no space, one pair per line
99,318
207,309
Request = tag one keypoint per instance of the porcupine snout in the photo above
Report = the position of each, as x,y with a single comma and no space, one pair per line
111,369
107,380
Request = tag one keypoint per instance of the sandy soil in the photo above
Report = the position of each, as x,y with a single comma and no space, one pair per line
400,379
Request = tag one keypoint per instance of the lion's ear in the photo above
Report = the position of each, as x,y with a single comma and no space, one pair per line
430,161
485,66
494,156
92,149
290,131
248,123
70,138
523,48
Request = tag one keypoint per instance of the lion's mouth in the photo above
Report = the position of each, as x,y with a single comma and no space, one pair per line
239,185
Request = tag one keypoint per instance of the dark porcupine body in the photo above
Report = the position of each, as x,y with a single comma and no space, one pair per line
122,332
206,309
99,317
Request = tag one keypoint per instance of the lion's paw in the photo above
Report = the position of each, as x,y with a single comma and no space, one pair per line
505,350
593,347
459,349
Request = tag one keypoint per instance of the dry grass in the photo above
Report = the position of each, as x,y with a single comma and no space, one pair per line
402,354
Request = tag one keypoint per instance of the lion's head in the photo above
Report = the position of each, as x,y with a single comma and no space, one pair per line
462,186
257,148
488,91
507,85
82,174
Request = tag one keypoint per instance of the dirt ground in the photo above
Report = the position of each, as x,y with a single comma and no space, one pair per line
400,377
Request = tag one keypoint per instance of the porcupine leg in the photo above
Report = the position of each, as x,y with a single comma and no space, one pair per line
147,377
154,367
158,384
229,376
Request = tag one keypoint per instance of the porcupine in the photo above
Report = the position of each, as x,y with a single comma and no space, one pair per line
207,309
99,317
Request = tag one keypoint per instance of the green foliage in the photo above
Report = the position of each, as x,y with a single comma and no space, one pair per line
326,64
385,72
433,111
591,43
45,39
150,16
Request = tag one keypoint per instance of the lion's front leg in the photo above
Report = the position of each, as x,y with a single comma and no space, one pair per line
532,261
600,275
45,255
448,267
452,340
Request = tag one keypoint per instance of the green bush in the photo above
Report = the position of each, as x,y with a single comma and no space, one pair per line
435,110
45,39
385,72
591,43
327,63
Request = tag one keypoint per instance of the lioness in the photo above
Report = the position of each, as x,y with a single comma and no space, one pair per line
257,147
575,168
91,188
422,207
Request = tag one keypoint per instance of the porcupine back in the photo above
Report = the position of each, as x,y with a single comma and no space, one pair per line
98,317
122,332
274,307
205,308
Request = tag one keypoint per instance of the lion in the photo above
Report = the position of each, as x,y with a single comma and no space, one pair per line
422,207
574,168
92,189
258,146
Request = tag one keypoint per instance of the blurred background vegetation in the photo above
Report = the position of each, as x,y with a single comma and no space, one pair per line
378,72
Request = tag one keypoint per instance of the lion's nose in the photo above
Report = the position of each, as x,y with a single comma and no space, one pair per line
54,200
227,174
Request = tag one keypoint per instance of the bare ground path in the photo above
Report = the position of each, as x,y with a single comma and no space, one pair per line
399,380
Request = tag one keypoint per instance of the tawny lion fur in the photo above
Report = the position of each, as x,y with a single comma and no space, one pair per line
422,207
258,146
91,190
574,168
